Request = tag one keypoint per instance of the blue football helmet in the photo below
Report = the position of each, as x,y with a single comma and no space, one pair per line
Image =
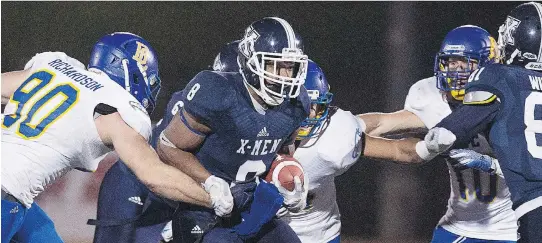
226,60
130,61
318,90
473,45
519,37
271,42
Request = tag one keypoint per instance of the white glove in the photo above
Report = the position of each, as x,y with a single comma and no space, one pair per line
220,193
295,200
436,141
439,139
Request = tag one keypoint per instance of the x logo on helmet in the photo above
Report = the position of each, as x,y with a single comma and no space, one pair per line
246,46
511,25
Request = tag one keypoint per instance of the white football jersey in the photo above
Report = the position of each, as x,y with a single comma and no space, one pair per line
49,128
479,205
323,158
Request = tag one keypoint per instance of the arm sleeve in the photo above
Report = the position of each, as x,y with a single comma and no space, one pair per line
469,120
174,105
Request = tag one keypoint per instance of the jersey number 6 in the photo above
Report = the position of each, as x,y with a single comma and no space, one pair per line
35,120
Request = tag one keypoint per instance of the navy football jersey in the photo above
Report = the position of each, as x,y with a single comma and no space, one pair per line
513,121
243,141
174,105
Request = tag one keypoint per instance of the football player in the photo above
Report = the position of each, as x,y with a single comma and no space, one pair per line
60,116
141,215
230,128
479,208
506,102
328,143
226,60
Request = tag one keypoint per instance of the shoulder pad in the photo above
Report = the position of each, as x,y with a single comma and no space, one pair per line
131,111
426,101
207,95
478,98
341,140
482,83
136,117
422,93
46,57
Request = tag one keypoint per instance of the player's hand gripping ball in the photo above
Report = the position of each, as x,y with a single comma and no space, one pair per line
286,173
283,171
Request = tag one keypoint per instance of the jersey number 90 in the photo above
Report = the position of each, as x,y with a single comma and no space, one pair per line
33,120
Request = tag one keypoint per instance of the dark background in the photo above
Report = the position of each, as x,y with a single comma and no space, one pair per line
371,53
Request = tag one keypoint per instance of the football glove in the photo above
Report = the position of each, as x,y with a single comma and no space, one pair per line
220,193
465,158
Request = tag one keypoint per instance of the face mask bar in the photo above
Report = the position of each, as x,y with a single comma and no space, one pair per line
288,87
155,85
152,85
448,80
322,102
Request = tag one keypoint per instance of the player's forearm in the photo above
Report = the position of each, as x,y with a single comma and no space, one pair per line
184,161
11,81
387,123
157,176
402,151
373,123
405,151
173,184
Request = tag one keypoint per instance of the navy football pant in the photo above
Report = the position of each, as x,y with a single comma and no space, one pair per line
201,225
274,231
530,227
198,224
127,210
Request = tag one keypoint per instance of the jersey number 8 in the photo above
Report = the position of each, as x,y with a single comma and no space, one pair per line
533,126
193,91
35,120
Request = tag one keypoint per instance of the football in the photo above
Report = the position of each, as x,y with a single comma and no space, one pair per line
283,170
